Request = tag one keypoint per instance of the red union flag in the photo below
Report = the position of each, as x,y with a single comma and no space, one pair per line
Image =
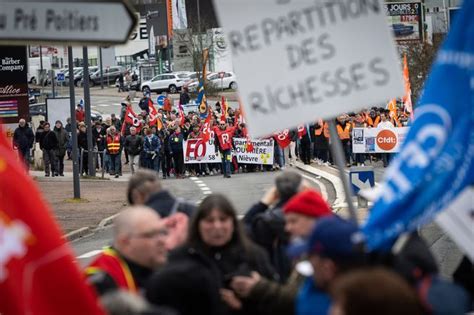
38,274
283,138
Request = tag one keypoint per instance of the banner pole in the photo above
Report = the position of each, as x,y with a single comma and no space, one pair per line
339,159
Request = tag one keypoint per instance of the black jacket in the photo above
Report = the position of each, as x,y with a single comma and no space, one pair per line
63,138
164,203
99,138
184,98
133,144
209,270
23,138
82,140
48,141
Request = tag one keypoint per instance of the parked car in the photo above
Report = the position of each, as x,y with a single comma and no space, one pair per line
171,82
402,29
110,75
229,81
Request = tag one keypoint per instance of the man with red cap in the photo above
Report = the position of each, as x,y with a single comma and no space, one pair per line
301,213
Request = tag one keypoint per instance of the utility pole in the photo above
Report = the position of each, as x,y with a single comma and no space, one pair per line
87,108
75,155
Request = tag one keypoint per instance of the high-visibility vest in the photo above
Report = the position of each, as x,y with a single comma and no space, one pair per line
115,266
373,123
345,133
318,131
113,144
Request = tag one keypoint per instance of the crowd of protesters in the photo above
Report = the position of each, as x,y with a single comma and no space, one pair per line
155,140
289,255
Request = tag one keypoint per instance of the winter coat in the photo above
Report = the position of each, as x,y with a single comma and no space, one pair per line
99,138
63,138
48,141
23,138
184,98
176,142
164,203
82,140
151,145
191,267
134,144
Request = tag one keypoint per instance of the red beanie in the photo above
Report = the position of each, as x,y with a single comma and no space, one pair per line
308,202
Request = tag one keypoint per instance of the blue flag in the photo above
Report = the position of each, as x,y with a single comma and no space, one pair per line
202,101
436,161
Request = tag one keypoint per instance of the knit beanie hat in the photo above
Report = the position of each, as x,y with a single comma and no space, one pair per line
309,203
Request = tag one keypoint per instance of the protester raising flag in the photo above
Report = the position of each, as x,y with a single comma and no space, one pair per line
436,162
201,99
37,270
206,131
153,115
407,98
283,138
301,131
182,117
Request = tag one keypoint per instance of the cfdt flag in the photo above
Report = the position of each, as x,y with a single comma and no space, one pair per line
38,274
436,161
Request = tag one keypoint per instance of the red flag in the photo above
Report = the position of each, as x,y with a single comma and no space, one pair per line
283,138
37,270
132,119
206,129
301,131
153,114
182,117
224,108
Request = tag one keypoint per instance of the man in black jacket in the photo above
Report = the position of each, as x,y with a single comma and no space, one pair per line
134,146
23,139
99,134
49,145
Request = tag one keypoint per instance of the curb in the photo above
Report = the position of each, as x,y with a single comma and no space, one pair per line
74,235
334,180
107,221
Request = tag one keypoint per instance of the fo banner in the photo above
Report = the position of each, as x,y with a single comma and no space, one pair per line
375,140
198,151
262,151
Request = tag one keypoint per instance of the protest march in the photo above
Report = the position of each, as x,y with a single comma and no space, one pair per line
280,232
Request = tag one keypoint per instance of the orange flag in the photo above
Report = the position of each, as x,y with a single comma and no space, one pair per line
407,98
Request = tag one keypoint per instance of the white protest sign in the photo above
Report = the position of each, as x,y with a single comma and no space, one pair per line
298,60
458,221
198,151
262,151
378,140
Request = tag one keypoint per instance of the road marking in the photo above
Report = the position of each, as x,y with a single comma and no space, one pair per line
207,192
90,254
193,178
201,184
321,186
103,105
205,188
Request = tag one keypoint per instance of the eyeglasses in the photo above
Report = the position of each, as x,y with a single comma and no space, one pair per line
151,234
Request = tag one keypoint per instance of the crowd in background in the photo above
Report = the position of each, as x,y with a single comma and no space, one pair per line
155,141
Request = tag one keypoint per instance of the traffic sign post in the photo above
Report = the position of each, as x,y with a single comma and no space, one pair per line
160,100
361,178
78,21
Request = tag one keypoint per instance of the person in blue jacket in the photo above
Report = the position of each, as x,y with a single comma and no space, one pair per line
151,147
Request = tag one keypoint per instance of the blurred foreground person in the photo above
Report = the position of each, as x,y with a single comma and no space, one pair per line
138,249
332,251
197,278
144,188
301,214
373,291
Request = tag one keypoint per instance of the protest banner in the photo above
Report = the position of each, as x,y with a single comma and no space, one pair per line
261,153
378,140
198,151
306,63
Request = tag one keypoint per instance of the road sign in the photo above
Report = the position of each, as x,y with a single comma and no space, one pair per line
309,59
361,178
84,22
60,77
161,100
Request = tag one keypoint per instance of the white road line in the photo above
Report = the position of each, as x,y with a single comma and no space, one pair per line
321,186
205,188
103,105
90,254
193,178
201,184
207,192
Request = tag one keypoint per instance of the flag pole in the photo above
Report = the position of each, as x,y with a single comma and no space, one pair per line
338,158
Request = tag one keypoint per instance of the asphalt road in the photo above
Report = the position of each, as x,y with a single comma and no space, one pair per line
242,189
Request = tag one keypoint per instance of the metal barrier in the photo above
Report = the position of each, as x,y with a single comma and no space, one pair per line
95,160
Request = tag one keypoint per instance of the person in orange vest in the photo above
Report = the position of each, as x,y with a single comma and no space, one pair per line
138,250
114,145
344,129
321,142
373,119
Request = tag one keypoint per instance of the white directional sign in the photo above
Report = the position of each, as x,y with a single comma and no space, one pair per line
300,60
82,22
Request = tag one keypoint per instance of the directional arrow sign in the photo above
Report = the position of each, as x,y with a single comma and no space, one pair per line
82,22
361,178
